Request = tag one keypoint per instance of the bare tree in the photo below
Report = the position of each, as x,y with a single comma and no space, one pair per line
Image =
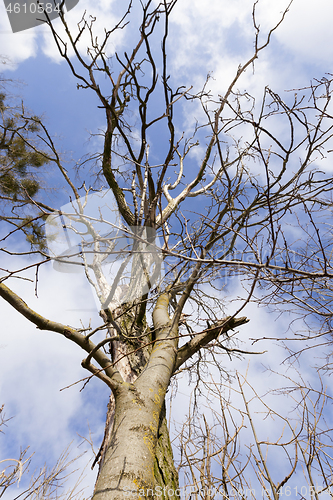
45,483
234,212
217,464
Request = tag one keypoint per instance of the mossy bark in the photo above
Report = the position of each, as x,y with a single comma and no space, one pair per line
165,472
136,424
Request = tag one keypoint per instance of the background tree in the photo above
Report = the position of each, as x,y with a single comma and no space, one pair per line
20,158
44,483
252,167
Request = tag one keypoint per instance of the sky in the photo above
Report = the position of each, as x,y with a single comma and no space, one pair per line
36,365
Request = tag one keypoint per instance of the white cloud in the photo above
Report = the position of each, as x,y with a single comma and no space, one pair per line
204,36
36,364
264,372
104,17
20,46
307,32
219,38
15,47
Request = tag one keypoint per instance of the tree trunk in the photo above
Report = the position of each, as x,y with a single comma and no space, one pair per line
136,454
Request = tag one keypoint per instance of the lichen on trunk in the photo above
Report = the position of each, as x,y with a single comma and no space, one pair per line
144,405
165,472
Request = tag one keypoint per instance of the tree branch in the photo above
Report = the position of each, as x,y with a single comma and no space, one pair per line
71,333
202,339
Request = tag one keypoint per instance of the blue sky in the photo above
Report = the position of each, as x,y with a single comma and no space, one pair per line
36,365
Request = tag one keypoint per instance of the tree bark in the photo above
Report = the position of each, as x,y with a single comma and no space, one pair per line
165,472
136,456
